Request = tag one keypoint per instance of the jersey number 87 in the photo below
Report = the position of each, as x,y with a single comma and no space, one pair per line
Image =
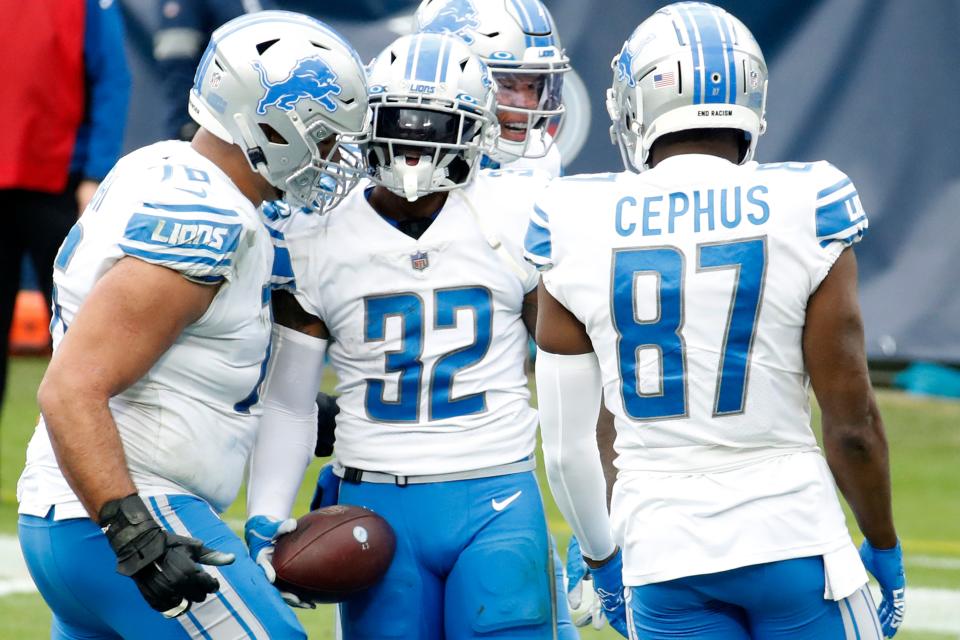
748,258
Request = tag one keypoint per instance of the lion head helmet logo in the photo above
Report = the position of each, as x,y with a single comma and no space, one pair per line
310,79
456,17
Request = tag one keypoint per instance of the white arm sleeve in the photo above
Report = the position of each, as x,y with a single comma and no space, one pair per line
569,390
288,428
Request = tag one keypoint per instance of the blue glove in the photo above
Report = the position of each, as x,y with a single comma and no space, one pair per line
260,534
886,565
608,583
328,489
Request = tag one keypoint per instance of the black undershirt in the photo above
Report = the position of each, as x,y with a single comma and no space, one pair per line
413,227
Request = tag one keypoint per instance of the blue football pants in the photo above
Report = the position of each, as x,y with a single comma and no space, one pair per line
74,568
473,560
773,601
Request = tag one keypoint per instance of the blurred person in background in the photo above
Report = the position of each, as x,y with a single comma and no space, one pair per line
60,137
518,40
185,27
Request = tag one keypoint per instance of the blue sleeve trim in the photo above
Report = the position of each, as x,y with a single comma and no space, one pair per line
208,279
274,233
839,216
537,244
204,235
846,241
100,137
840,185
282,267
543,214
190,208
173,258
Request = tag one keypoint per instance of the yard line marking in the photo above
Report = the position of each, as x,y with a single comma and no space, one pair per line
928,609
932,562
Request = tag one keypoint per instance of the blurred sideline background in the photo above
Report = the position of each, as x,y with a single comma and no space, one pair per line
866,84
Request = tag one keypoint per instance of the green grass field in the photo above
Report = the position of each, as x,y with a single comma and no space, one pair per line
925,452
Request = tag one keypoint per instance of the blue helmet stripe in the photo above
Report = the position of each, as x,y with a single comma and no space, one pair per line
543,41
677,31
446,61
428,58
536,16
731,60
524,21
204,63
411,56
695,50
713,52
534,20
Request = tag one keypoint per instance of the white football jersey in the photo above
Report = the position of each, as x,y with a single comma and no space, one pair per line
189,424
692,280
427,337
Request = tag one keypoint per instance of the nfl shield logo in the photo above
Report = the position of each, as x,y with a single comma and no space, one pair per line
419,260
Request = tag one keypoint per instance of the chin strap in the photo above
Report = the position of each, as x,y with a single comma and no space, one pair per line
492,238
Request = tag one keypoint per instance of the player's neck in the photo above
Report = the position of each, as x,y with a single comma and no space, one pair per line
390,205
229,159
659,153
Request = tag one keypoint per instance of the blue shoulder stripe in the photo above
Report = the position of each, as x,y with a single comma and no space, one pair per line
833,189
183,234
836,218
537,245
190,208
153,256
282,267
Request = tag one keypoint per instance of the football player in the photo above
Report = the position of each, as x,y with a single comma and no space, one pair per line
518,41
419,285
700,297
150,404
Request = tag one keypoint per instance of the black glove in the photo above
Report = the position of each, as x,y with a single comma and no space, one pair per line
327,411
163,565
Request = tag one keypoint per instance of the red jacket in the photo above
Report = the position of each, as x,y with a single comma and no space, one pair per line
42,101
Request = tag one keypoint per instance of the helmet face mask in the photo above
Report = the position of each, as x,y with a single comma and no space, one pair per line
518,40
433,118
291,93
689,66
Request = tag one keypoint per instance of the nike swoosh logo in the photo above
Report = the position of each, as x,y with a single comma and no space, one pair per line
202,193
500,506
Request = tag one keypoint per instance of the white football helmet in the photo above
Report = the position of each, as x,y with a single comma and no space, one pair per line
518,40
433,115
279,84
690,65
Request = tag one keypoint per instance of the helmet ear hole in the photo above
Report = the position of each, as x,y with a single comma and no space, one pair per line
744,140
272,134
263,46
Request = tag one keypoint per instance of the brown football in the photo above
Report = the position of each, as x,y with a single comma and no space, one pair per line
334,553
